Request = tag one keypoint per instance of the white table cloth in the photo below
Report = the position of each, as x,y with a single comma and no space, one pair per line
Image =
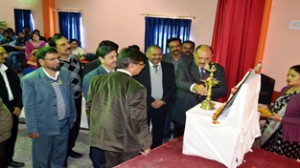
228,141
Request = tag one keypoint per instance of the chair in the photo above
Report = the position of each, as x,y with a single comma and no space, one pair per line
266,90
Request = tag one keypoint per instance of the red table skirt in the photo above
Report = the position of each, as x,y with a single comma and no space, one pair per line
170,155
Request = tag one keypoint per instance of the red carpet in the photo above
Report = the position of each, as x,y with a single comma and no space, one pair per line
170,155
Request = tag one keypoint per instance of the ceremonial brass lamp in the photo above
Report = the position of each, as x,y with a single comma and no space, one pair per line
207,104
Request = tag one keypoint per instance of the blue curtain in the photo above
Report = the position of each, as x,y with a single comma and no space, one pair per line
69,25
23,19
159,30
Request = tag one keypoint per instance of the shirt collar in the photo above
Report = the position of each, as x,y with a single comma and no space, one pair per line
151,64
3,68
124,71
107,69
56,75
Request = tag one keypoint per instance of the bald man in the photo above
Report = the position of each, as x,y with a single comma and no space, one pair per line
190,89
11,94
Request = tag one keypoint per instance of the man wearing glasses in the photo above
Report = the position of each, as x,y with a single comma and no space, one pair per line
118,111
49,109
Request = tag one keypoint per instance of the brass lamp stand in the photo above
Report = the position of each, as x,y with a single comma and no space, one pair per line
207,104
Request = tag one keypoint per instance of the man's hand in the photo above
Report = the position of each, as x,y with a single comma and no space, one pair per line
157,104
145,152
199,89
17,111
34,135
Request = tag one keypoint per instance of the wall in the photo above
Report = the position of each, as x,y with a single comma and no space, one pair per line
283,44
7,11
121,21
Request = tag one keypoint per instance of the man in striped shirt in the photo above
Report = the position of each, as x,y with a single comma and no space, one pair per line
49,107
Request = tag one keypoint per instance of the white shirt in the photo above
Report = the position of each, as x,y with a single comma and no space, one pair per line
3,68
56,75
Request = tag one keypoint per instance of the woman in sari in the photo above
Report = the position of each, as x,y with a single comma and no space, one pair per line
281,134
31,46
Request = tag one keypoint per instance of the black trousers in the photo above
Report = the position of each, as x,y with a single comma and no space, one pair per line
157,117
73,134
3,154
179,130
12,140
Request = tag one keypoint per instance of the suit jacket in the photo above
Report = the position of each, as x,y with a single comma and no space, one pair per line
90,66
168,80
88,77
184,58
14,82
188,74
118,118
40,104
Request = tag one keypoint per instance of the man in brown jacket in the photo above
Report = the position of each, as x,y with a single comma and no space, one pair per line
116,105
5,132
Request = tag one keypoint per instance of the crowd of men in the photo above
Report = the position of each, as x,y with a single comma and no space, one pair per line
126,92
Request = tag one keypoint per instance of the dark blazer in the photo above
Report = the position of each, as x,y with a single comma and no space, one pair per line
118,118
188,74
40,104
184,58
168,77
90,66
88,77
14,82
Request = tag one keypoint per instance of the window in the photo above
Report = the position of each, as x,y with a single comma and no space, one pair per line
70,24
159,30
23,18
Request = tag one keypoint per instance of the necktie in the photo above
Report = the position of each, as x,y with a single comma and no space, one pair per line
155,67
201,71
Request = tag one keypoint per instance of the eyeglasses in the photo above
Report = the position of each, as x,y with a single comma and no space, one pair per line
52,59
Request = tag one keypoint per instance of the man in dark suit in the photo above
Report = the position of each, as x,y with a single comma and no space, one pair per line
159,79
107,55
175,56
190,89
11,94
95,63
49,109
118,112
